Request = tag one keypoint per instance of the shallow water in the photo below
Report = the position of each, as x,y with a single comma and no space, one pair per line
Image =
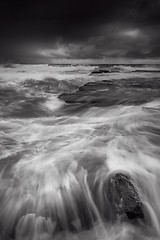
57,157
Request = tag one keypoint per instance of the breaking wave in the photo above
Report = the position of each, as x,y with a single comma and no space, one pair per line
135,68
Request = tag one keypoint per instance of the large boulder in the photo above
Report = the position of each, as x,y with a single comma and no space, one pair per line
123,196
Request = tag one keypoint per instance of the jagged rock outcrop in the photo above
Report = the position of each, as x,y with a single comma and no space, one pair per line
123,196
99,71
113,92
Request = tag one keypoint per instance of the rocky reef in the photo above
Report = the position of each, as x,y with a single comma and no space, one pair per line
114,92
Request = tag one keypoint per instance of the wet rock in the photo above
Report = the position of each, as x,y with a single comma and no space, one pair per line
147,71
123,196
120,70
111,93
91,86
99,71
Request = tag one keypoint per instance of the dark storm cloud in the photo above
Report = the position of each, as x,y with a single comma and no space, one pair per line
50,18
34,31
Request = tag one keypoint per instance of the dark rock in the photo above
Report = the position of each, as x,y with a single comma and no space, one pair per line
99,71
123,196
91,86
119,70
113,92
59,65
69,98
105,70
147,71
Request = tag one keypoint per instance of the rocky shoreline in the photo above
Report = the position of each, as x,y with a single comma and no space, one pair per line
113,92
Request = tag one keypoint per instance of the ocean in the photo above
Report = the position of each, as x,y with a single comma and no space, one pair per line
80,152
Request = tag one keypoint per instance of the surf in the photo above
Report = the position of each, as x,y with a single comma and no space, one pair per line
91,173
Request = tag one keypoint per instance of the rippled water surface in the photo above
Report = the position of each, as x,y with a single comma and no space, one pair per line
65,134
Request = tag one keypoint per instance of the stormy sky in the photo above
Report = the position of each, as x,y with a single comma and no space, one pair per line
46,31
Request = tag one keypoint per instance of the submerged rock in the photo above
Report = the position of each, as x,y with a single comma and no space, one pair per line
123,196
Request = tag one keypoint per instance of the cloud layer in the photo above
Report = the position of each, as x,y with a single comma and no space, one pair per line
41,31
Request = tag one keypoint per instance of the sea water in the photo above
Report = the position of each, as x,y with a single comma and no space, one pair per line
54,152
